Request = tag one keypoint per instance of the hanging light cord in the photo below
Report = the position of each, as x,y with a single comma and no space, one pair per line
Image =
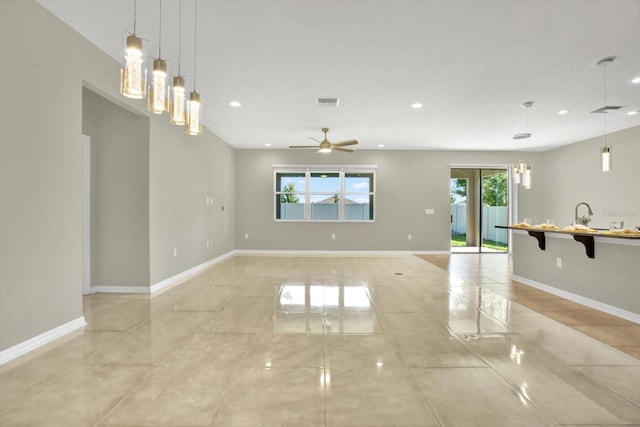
160,33
195,45
604,73
527,127
135,9
179,34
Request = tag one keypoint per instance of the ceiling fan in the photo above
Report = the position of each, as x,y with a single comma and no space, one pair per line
326,146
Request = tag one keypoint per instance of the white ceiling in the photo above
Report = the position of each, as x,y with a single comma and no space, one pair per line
471,63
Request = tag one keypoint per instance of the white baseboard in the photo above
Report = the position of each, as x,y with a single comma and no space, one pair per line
121,289
163,284
40,340
615,311
288,252
173,280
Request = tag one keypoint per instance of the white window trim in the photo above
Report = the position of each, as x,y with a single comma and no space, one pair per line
308,169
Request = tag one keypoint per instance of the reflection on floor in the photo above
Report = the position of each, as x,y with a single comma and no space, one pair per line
329,341
474,250
494,273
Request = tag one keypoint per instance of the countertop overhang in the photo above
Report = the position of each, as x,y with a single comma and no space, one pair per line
587,238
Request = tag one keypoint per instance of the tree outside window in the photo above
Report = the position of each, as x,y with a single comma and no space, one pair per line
289,197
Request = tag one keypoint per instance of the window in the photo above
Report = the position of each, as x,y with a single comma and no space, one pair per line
290,195
324,193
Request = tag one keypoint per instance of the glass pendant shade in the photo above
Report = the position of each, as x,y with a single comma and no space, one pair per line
605,152
526,178
177,105
522,174
516,174
133,78
158,90
522,166
194,106
605,155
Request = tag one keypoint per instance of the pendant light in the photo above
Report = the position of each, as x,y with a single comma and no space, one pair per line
522,170
158,90
176,109
194,105
605,151
133,78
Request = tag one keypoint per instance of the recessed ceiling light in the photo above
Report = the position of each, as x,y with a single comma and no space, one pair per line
380,145
632,113
416,105
235,104
636,80
267,145
563,111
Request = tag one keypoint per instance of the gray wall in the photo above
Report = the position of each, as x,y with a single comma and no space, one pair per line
574,176
185,171
42,72
408,182
611,277
40,172
119,191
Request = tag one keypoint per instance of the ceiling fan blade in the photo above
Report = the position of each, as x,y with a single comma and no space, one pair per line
313,139
303,146
345,143
346,150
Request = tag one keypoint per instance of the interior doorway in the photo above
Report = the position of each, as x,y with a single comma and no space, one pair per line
479,202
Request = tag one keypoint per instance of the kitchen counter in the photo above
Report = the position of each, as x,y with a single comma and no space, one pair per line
586,237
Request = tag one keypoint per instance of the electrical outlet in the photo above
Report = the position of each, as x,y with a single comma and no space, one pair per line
175,253
559,262
429,211
246,236
409,237
333,237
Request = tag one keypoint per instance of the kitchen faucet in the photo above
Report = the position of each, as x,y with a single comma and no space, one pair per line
576,212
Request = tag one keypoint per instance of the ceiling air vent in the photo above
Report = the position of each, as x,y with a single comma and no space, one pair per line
327,102
607,109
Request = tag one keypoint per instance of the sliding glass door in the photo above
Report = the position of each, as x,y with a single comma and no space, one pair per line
479,202
495,210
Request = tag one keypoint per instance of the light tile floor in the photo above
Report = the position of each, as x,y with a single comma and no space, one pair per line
489,272
334,341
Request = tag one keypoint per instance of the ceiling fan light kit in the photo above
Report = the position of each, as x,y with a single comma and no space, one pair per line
326,146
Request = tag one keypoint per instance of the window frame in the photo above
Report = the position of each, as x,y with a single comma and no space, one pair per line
307,195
